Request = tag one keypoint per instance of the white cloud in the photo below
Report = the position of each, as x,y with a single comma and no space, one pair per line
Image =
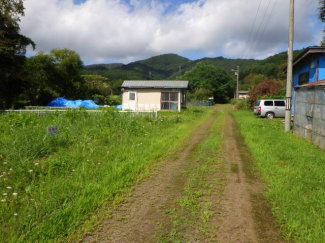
101,30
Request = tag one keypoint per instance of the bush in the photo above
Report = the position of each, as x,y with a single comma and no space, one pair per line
240,105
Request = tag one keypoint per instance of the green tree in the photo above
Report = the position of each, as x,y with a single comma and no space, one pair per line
69,66
96,85
12,51
212,78
41,83
253,79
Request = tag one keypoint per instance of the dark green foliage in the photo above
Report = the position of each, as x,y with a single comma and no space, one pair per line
51,75
40,85
12,50
158,67
68,65
212,78
269,66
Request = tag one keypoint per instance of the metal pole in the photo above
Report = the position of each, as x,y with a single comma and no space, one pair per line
289,70
237,93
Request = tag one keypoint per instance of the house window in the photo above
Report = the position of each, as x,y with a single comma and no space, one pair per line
132,96
169,100
303,78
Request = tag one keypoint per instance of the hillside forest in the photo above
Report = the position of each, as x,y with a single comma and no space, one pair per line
38,79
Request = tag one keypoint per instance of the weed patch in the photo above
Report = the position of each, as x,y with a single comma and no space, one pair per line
51,185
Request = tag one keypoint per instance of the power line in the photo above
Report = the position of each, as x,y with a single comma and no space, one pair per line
250,33
265,27
268,6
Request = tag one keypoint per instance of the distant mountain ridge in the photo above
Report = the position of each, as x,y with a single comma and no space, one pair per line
169,66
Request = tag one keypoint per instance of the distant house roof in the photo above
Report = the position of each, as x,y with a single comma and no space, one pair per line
176,84
243,92
308,51
309,85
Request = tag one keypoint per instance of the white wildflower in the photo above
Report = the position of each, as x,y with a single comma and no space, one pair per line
15,194
9,187
15,214
36,164
5,163
5,194
32,199
30,171
10,169
4,173
3,200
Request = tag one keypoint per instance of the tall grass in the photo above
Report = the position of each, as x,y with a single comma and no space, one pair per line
294,171
50,185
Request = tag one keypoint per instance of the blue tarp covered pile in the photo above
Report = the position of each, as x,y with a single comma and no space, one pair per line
62,102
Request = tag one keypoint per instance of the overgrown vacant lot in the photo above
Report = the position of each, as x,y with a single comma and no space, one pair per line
294,171
51,185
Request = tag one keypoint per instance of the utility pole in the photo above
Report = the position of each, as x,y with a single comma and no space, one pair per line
237,74
287,126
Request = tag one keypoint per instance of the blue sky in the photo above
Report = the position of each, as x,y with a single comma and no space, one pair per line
104,31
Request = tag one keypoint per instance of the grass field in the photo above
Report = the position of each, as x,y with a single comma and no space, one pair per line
294,171
51,185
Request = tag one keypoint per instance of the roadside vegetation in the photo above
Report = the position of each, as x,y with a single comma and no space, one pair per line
294,171
51,185
190,217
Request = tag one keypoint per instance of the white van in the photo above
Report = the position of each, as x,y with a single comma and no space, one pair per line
270,108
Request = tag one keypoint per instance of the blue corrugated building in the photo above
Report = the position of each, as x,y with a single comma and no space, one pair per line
309,66
309,95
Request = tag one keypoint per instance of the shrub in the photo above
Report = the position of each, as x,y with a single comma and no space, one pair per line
240,105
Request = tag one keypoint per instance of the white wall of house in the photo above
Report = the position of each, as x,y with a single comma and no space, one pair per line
243,96
146,99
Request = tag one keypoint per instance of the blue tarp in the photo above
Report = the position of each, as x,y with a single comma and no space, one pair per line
62,102
118,107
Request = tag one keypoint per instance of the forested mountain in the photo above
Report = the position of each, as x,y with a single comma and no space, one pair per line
170,66
159,67
167,66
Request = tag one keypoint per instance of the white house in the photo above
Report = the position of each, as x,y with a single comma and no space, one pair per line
153,95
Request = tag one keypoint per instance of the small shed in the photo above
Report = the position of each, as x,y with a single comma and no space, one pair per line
242,95
153,95
309,95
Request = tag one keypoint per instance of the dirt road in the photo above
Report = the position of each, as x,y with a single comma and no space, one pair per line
225,196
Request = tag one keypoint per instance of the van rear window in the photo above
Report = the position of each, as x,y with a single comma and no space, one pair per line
268,103
258,102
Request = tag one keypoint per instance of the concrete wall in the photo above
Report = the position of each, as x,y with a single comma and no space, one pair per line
309,114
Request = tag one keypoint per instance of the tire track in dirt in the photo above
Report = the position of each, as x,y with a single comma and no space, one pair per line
246,215
137,219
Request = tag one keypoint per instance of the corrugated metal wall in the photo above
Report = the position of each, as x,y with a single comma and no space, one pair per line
309,114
